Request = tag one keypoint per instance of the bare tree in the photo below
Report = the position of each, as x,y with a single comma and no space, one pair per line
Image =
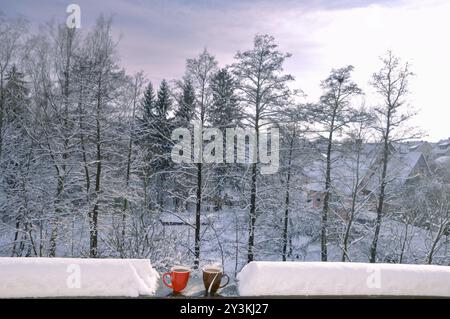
293,124
358,135
107,81
333,113
64,49
200,70
437,210
263,89
391,83
48,60
136,91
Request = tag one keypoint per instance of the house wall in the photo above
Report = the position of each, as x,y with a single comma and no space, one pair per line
316,199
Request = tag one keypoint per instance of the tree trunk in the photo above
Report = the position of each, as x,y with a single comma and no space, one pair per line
53,238
326,200
251,228
93,253
252,221
404,242
433,246
373,248
82,140
197,216
1,113
54,232
16,236
352,210
348,228
286,202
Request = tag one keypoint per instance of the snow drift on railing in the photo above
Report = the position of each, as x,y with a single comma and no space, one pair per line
343,279
71,277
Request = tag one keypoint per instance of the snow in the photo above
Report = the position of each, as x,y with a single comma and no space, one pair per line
443,161
71,277
337,278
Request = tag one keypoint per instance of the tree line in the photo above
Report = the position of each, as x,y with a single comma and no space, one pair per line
85,153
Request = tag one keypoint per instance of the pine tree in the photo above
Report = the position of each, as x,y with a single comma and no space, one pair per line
148,108
183,116
16,93
145,121
155,129
164,102
186,104
161,126
224,111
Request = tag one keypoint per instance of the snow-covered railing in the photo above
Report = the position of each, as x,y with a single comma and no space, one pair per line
343,279
71,277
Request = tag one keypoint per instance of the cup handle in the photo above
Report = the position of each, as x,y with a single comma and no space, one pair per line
228,280
164,279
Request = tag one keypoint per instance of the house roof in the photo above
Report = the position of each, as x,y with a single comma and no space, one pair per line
444,143
401,167
443,161
416,146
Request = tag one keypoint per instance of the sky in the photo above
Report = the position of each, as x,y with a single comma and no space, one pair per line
157,36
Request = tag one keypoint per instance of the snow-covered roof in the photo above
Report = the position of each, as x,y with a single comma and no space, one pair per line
400,168
417,145
443,161
404,165
444,143
343,169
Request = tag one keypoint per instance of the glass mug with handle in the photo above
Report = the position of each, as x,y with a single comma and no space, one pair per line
179,277
212,278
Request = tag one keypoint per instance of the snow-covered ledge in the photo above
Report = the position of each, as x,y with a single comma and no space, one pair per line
71,277
343,279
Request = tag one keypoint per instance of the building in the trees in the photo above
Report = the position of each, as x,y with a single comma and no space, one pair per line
407,164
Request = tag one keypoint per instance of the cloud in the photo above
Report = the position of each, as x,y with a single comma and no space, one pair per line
159,35
415,30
